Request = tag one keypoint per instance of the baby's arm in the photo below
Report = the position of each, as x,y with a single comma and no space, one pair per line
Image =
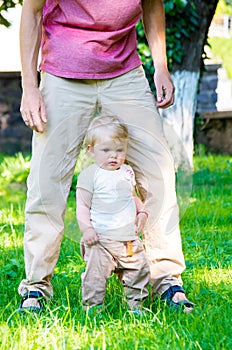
142,214
83,200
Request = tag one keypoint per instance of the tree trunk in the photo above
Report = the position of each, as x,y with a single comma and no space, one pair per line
179,119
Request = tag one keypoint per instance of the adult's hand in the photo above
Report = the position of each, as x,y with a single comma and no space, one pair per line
33,109
164,88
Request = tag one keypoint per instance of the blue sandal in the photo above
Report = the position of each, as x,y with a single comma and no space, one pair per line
180,305
32,295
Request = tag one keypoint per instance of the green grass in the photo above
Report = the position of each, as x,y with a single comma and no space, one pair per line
206,231
221,48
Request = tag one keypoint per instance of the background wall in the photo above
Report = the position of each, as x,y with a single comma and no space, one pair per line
14,135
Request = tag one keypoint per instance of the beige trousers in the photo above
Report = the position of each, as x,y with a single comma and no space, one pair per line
107,256
71,104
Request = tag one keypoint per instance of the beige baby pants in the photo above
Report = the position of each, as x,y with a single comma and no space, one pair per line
70,105
107,256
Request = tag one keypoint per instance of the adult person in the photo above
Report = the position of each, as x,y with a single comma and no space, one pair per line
88,63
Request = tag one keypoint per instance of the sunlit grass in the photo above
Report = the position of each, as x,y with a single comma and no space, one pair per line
222,49
206,232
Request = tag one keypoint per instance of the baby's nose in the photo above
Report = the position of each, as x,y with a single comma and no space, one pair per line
113,154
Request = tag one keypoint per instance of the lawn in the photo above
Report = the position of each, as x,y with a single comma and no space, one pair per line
206,231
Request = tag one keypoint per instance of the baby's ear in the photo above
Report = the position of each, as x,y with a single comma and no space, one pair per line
89,149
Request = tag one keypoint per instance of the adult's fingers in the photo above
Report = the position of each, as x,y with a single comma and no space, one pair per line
37,123
27,118
164,88
34,120
167,100
33,109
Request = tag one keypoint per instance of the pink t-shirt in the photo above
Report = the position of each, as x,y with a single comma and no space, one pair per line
90,39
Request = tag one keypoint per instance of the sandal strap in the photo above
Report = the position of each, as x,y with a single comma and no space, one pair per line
33,294
169,294
186,303
171,291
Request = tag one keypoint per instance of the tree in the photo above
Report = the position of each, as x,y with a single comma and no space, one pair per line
179,119
187,24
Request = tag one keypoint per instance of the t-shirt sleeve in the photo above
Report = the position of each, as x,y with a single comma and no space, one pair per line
85,179
130,172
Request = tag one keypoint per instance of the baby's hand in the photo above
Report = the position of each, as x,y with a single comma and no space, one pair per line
140,222
90,237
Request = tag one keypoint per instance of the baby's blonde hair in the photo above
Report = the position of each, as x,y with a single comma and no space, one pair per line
95,129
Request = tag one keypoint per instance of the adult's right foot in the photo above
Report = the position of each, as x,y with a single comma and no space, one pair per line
32,301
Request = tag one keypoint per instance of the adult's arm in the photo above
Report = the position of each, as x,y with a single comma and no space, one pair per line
32,105
154,26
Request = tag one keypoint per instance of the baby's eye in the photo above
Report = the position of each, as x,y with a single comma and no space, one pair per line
105,150
120,150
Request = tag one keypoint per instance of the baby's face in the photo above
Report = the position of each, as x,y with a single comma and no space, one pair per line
110,153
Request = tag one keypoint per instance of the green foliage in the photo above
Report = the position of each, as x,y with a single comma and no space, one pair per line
14,169
224,7
206,234
5,5
221,48
181,21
